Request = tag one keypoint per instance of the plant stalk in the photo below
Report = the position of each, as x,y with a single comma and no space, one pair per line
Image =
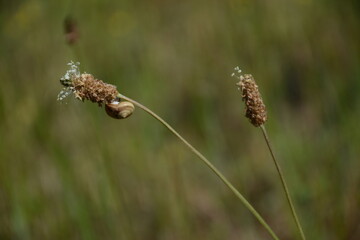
284,185
209,164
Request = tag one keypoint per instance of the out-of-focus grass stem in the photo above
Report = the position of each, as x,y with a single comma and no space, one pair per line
284,185
208,163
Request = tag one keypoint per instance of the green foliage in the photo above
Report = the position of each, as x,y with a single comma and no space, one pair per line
67,171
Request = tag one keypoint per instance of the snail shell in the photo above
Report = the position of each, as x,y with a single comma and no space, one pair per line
119,110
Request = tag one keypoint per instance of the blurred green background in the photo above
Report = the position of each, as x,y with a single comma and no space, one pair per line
68,171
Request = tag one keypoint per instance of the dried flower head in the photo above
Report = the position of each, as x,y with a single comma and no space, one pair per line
254,106
86,87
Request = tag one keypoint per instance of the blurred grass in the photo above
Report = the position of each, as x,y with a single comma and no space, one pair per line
67,171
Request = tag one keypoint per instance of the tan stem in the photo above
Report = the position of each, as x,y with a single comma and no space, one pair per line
284,185
208,163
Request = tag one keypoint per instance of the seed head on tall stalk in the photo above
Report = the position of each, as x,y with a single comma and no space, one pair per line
255,111
87,87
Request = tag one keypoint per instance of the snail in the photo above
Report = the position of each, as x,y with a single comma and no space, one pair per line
119,110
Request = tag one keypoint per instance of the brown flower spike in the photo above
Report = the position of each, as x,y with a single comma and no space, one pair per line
254,106
86,87
71,30
89,88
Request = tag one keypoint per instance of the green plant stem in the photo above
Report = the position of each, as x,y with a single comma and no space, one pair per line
283,183
208,163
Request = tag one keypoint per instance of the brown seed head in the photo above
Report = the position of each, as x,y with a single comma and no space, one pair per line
94,90
254,106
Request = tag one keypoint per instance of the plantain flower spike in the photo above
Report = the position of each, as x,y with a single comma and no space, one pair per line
255,109
85,87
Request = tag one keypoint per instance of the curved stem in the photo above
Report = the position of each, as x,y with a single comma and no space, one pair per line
208,163
284,185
